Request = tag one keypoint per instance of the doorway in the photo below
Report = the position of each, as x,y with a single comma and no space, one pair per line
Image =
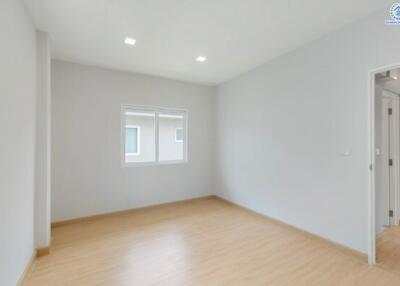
387,168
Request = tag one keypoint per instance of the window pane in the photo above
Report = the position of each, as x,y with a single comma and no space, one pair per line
179,135
171,142
131,140
139,125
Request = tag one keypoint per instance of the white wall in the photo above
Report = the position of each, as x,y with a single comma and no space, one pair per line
282,127
17,140
43,140
87,174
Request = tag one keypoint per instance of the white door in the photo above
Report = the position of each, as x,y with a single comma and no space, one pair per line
389,153
387,160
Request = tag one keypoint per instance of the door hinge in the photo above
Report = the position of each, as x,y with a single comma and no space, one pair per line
390,213
390,162
370,167
390,111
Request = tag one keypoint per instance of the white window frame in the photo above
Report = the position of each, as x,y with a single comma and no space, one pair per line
137,140
176,135
156,110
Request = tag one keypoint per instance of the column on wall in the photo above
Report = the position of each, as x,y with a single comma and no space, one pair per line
43,143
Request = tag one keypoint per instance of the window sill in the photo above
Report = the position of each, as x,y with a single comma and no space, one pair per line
144,164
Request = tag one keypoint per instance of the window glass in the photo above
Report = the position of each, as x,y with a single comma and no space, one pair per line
179,135
139,136
153,135
131,140
171,147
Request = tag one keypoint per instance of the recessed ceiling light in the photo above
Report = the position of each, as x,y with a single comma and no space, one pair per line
130,41
201,59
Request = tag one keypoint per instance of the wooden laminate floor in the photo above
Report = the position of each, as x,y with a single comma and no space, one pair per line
203,242
388,249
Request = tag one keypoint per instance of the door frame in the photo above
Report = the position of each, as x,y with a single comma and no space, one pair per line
371,159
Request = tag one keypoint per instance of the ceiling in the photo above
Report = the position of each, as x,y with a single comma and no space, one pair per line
235,35
392,85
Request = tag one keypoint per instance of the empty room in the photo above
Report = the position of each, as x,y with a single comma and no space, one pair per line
183,142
